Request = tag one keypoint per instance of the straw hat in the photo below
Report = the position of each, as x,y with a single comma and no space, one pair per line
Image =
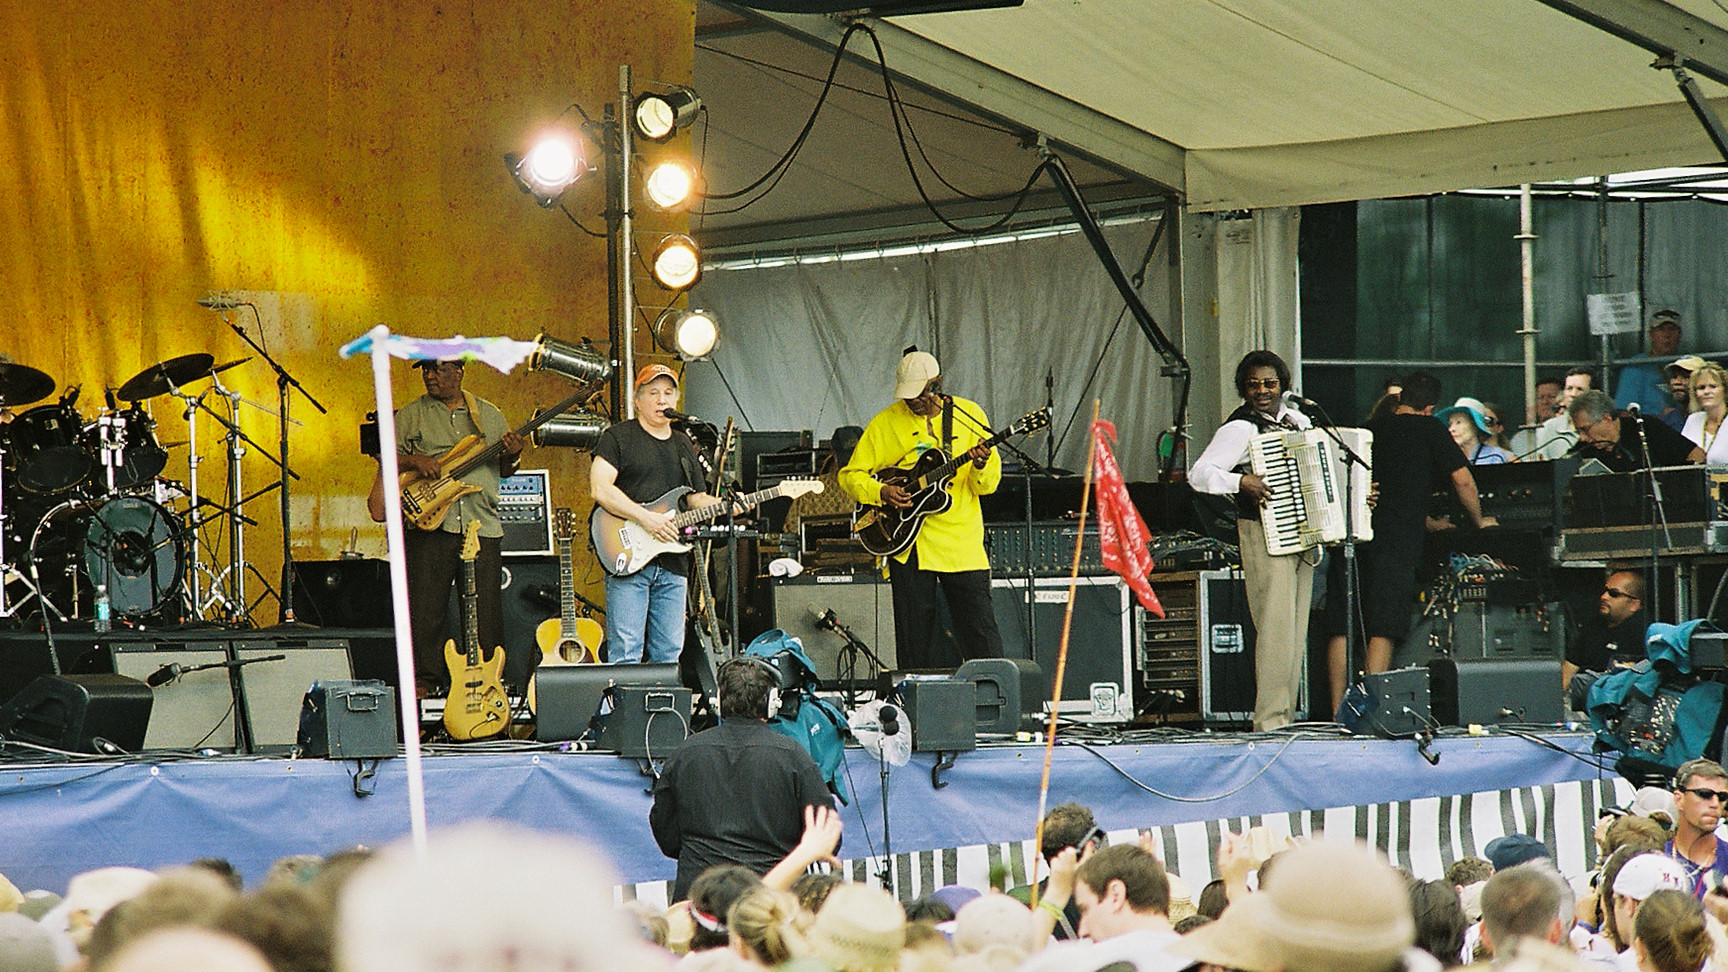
860,928
1236,940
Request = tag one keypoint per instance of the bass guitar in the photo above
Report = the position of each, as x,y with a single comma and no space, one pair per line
478,707
886,530
426,499
572,638
624,547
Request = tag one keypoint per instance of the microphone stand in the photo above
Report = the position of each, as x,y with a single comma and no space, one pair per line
1027,466
1658,510
283,381
1351,582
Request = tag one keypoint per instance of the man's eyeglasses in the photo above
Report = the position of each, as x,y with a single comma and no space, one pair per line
1705,793
1615,595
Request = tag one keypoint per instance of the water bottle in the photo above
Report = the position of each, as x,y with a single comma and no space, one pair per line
103,609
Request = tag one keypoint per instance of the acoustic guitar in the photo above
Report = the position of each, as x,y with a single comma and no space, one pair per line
625,547
478,707
887,530
571,638
427,499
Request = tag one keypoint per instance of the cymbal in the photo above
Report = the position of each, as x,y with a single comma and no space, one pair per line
164,375
224,366
22,384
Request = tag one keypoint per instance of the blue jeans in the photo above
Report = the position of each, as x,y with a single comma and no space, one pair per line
648,603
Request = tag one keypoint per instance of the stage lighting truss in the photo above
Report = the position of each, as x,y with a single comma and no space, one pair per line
676,263
551,166
660,115
689,334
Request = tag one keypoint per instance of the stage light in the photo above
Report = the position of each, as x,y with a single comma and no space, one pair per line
676,263
689,334
670,184
659,116
549,168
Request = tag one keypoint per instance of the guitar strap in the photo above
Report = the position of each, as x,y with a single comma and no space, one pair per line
948,428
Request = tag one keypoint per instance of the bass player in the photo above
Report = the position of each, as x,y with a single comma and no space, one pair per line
635,463
948,550
427,428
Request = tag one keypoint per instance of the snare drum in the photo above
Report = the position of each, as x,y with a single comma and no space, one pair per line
141,458
45,449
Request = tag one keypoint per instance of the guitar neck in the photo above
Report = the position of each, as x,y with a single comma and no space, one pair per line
702,515
470,613
566,590
947,469
496,449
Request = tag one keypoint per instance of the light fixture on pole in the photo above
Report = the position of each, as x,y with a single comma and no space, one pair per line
670,184
689,334
676,263
550,167
659,116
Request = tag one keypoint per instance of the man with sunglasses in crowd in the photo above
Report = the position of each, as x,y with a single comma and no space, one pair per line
1700,794
1614,638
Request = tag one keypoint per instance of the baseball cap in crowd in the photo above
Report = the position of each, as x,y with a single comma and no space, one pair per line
1477,411
649,372
915,371
1515,849
433,362
1688,364
1647,874
1665,318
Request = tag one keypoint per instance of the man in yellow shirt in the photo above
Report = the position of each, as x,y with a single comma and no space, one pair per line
949,548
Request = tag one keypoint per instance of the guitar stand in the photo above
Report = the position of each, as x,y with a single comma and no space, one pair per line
944,762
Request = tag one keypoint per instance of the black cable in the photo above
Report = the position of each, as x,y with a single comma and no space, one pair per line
572,217
740,405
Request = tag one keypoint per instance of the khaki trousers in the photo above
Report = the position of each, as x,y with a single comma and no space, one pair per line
1280,590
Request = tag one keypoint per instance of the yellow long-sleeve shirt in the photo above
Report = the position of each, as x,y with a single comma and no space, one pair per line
950,541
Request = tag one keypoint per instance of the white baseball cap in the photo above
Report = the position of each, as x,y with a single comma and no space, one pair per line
914,373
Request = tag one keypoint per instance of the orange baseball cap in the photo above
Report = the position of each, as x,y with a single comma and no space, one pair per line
650,372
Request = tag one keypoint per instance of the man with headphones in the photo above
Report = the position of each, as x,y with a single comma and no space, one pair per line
736,793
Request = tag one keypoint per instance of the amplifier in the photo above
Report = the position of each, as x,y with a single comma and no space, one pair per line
525,512
862,602
1605,515
1052,550
1521,495
1098,684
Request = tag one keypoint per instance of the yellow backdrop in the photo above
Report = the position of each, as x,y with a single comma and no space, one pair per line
337,162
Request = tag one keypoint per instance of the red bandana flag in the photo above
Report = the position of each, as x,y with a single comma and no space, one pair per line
1121,532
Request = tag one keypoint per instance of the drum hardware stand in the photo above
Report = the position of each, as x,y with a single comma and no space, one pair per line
7,607
283,381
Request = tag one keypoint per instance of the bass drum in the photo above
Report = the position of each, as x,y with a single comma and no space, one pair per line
139,548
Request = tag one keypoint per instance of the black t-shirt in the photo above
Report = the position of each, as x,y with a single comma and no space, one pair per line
1667,447
1597,645
1414,455
648,467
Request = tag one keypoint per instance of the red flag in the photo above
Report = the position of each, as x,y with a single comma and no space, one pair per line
1121,532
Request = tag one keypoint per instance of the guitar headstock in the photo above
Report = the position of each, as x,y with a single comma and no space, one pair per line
563,524
471,541
799,487
1031,422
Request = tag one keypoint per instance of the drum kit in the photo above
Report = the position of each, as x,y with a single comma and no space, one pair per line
91,529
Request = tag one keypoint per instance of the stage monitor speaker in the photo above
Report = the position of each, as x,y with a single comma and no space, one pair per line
646,722
273,691
567,697
1228,644
1008,689
345,719
1489,692
1399,704
861,602
942,713
351,593
70,712
1098,684
194,710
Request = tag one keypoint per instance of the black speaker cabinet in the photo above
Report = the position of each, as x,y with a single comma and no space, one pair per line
70,712
529,593
1097,685
942,713
351,593
567,697
646,722
1007,690
861,602
1399,703
1489,692
345,719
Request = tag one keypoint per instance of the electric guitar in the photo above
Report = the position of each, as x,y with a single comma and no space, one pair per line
713,639
572,638
624,547
478,707
426,499
887,530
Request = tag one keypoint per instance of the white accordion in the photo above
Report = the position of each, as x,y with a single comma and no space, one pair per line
1305,470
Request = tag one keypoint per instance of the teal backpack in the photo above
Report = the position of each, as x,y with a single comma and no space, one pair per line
805,718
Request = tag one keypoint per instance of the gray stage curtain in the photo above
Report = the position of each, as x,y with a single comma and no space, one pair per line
814,346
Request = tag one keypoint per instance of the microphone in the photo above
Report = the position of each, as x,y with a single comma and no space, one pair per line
1633,408
825,619
889,717
681,418
219,302
1293,399
162,676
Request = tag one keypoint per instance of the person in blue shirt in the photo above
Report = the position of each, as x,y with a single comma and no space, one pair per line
1646,382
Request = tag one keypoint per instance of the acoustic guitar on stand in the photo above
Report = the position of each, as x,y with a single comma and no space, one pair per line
572,638
886,530
426,499
624,547
478,707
